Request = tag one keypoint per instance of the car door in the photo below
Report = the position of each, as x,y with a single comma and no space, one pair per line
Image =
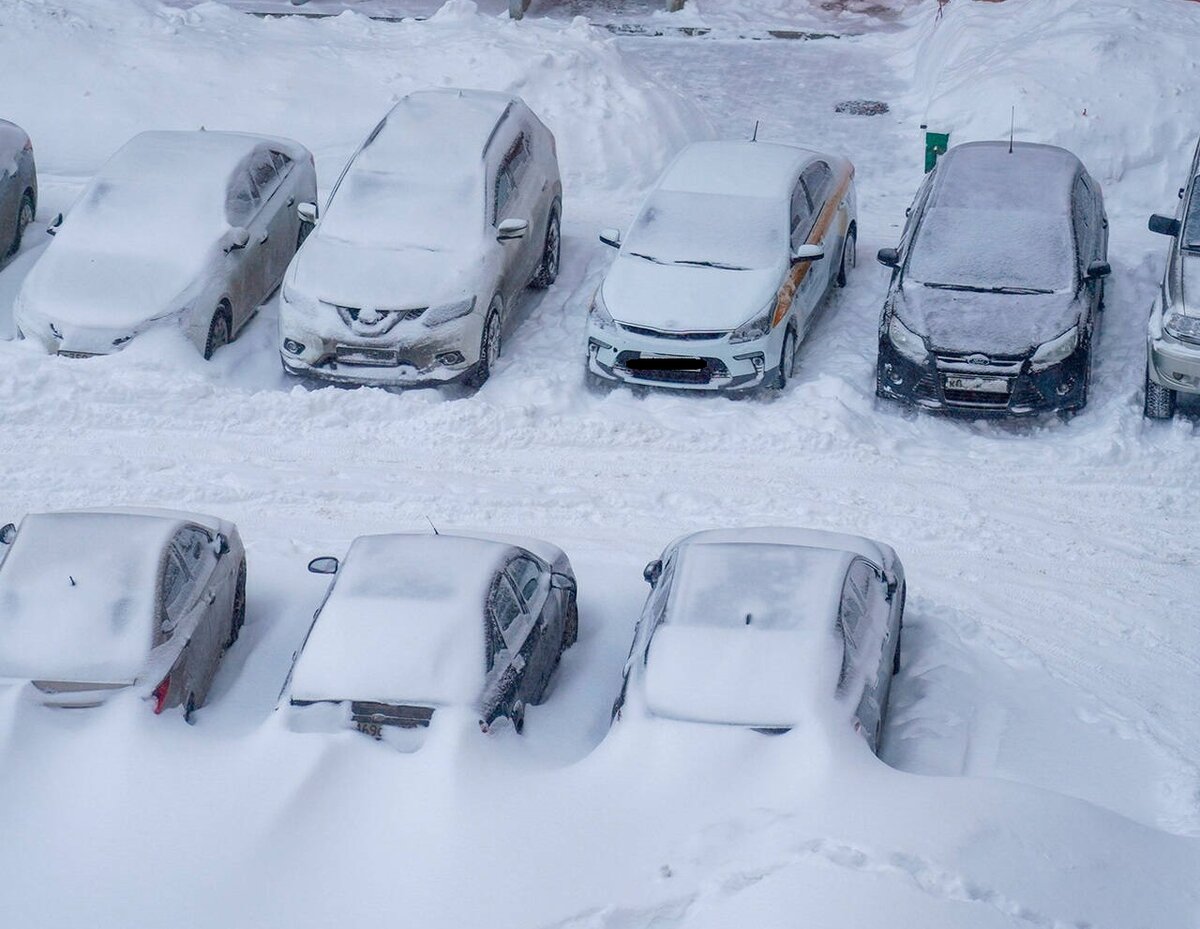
277,190
514,624
817,179
857,674
243,266
211,601
800,223
532,582
514,198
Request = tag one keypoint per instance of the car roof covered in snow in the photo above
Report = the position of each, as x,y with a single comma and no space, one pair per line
742,169
404,622
878,553
78,595
455,124
985,176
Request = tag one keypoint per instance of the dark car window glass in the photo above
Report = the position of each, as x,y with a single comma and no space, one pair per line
818,178
1081,207
282,163
526,576
801,215
177,582
503,604
266,175
504,192
852,613
1191,229
512,171
243,200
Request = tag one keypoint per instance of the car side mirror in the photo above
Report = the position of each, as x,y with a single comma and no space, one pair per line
326,564
511,229
52,229
8,534
561,582
1164,225
808,252
889,257
653,571
220,545
1098,269
308,213
236,238
611,237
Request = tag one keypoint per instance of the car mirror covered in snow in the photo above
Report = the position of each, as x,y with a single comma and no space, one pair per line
808,252
562,582
7,534
1099,269
889,257
325,565
512,229
52,228
307,213
652,572
234,239
611,237
220,545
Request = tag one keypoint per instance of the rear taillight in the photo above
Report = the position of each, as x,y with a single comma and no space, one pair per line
29,145
160,694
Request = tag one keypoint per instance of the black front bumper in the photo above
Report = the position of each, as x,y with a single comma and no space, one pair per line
1060,387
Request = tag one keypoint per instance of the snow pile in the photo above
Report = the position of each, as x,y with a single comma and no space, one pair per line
1108,79
92,75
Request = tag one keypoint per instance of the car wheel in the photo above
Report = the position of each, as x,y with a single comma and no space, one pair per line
570,628
189,710
1159,402
489,348
547,272
218,332
24,218
787,360
517,715
239,606
849,257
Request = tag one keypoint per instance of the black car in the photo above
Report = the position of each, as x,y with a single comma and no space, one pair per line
997,284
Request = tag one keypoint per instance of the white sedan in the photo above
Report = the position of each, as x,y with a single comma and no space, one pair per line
193,229
725,268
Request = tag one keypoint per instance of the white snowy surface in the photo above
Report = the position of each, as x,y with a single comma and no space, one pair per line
1040,767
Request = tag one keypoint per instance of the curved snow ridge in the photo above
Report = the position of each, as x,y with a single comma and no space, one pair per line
615,126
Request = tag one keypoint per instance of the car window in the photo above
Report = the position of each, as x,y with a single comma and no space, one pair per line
503,604
852,615
510,174
1081,209
818,179
801,215
243,199
266,175
1191,226
282,162
177,586
527,577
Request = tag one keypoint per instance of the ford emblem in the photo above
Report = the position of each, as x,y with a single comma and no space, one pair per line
978,360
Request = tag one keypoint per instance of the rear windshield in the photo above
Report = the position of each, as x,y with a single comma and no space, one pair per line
993,249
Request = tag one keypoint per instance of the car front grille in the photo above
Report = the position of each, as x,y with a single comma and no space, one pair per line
679,336
375,322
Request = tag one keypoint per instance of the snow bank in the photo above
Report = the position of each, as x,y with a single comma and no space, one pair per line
93,75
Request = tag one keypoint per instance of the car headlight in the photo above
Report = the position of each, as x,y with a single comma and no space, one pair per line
1056,350
756,328
1185,328
437,315
598,315
907,342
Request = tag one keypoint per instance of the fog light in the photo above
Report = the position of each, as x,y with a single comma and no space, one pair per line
893,375
1065,387
291,345
450,358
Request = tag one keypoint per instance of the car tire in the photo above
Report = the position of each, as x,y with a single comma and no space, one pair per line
489,348
220,328
547,272
24,218
570,628
1159,401
189,710
849,257
787,360
239,605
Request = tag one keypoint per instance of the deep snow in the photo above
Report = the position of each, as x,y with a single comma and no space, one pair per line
1051,650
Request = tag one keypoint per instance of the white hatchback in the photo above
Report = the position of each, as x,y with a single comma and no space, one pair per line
725,268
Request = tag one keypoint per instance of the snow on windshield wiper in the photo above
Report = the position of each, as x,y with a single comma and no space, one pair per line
657,261
711,264
988,290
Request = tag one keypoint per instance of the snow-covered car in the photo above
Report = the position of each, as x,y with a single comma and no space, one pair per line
194,228
1173,343
770,629
18,186
98,602
413,623
725,269
448,211
997,284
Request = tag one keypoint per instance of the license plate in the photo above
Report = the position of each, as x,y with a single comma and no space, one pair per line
376,357
985,385
76,354
374,730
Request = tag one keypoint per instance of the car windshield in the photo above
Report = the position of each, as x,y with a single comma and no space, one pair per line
993,250
709,230
402,208
754,586
1191,227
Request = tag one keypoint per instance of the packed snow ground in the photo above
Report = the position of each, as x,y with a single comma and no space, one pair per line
1051,650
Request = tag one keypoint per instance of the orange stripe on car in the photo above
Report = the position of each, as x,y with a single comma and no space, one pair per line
800,270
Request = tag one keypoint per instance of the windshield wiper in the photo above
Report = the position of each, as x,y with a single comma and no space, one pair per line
657,261
720,265
990,290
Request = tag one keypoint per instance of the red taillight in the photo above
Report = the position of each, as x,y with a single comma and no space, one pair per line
160,694
28,145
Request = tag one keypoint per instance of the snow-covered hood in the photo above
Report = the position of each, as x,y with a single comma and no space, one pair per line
679,298
347,274
114,293
967,321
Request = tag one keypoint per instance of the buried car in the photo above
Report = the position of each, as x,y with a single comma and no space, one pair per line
413,623
96,602
18,186
769,629
192,228
996,285
725,269
448,211
1173,341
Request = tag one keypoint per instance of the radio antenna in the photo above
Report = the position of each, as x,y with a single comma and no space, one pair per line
1012,129
432,526
754,137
